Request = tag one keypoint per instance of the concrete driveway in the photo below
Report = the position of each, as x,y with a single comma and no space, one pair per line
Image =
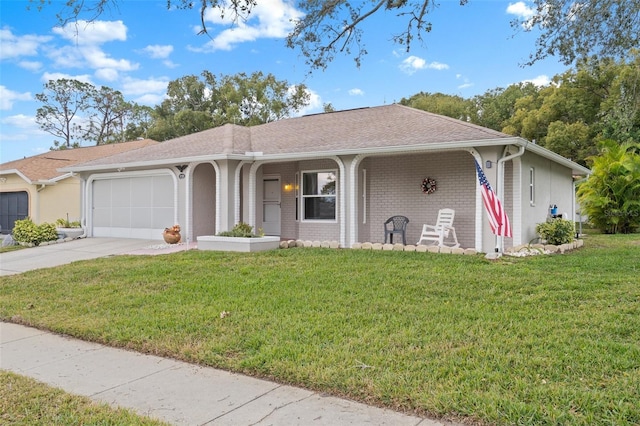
16,262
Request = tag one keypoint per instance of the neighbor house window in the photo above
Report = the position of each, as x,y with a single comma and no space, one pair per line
319,195
532,186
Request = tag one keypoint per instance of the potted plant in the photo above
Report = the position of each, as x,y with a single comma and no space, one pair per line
240,238
69,229
172,235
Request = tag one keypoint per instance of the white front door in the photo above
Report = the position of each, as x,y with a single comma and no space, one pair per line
271,206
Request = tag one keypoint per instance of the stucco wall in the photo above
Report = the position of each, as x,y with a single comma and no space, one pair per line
204,200
553,185
56,201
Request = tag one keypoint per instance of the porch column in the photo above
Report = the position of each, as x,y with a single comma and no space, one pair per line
352,197
225,194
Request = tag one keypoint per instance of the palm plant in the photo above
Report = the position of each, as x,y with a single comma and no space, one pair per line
611,194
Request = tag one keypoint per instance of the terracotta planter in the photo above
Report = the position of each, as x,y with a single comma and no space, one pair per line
171,237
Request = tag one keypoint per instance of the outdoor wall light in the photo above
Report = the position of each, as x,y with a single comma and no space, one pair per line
488,164
288,187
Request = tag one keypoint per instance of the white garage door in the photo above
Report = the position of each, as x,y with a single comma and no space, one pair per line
133,207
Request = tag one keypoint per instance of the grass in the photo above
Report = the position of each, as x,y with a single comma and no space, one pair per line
24,401
539,340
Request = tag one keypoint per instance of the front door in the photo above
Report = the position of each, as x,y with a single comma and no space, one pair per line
271,206
13,206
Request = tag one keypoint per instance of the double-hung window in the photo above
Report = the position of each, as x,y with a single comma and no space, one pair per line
319,195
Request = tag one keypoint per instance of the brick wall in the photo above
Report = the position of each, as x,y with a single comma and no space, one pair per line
393,188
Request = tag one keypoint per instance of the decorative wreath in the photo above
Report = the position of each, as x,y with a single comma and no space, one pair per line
428,186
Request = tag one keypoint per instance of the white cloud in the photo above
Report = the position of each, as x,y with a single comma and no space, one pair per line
108,74
521,10
541,80
465,82
86,50
157,51
151,87
96,58
30,65
356,92
92,33
20,121
85,78
414,63
315,104
268,19
8,97
14,46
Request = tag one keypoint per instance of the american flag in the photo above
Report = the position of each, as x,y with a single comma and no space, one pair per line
498,219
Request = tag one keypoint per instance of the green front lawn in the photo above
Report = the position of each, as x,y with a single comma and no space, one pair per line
24,401
539,340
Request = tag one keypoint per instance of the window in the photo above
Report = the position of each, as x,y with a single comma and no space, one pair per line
532,186
319,195
297,189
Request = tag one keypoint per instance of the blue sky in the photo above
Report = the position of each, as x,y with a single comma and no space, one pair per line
138,47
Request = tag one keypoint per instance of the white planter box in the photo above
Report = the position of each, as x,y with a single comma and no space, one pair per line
212,242
71,232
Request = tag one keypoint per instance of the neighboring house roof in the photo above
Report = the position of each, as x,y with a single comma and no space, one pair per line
43,168
386,128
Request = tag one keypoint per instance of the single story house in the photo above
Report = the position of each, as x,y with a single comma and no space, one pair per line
34,187
331,177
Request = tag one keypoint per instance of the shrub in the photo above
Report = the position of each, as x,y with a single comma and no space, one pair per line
556,231
611,194
65,223
25,231
242,230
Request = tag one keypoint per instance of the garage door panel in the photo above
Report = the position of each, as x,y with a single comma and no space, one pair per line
163,218
133,207
162,193
101,217
121,193
141,192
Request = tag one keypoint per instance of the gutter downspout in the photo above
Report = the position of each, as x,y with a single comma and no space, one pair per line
500,191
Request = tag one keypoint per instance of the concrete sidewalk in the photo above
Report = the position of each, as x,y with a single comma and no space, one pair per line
177,392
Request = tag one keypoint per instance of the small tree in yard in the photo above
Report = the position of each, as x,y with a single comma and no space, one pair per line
611,195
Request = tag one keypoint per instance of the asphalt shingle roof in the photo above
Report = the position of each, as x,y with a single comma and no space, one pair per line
375,127
45,166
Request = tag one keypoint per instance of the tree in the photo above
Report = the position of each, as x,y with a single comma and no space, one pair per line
611,194
77,112
567,28
572,30
493,108
439,103
63,100
110,113
197,103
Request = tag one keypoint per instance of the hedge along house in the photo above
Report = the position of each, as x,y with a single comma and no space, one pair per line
34,187
332,176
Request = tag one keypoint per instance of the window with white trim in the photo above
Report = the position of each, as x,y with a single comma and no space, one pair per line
297,189
532,186
319,195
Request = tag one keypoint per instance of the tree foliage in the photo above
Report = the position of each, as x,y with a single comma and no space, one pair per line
63,100
599,99
611,194
76,112
439,103
196,103
573,30
568,29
